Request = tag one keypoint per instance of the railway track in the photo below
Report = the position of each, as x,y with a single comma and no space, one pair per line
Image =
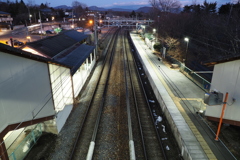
150,145
119,122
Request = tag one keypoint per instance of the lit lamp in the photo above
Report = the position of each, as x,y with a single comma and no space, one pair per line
187,40
154,31
28,38
30,16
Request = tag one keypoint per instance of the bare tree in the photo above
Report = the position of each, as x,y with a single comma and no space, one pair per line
78,8
165,5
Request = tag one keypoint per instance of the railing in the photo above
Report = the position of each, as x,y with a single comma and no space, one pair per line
197,79
27,143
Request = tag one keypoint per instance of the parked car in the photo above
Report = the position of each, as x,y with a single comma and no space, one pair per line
17,43
49,32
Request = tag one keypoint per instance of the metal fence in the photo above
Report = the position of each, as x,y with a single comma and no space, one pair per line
27,143
197,79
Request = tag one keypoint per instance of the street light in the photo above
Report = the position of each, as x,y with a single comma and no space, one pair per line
158,27
187,40
154,31
143,30
28,38
30,18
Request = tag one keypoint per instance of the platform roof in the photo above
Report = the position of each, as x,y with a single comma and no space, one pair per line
78,36
53,45
76,57
222,60
18,52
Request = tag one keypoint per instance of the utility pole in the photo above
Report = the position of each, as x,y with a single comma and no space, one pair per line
40,23
72,20
95,35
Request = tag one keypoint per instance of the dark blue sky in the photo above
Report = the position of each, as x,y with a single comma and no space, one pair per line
114,3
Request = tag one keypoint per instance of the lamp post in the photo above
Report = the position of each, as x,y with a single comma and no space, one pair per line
29,15
187,40
95,34
143,31
30,19
158,27
28,38
40,20
154,31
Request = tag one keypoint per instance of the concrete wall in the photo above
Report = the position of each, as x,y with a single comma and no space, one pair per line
226,78
25,90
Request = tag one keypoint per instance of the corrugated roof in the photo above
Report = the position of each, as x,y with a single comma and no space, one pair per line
77,57
53,45
78,36
18,52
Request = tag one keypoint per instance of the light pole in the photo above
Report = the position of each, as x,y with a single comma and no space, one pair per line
158,26
40,20
187,40
29,15
143,31
95,35
154,31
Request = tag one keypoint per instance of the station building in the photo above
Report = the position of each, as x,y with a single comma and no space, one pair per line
39,84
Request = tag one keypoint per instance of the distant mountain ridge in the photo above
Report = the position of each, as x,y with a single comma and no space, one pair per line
124,9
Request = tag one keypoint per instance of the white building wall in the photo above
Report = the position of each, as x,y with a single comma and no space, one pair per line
25,92
82,74
61,86
226,78
62,93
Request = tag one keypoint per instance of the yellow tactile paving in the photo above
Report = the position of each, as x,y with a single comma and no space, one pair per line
176,100
189,99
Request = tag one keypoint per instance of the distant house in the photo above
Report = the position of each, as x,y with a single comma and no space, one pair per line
5,20
226,78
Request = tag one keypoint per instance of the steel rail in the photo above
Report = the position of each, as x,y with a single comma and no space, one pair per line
92,143
89,105
149,108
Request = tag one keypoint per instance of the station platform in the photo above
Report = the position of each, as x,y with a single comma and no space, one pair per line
194,137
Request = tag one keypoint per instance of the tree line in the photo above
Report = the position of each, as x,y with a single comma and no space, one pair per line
29,13
213,32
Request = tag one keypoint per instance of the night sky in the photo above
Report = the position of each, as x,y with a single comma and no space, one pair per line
114,3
